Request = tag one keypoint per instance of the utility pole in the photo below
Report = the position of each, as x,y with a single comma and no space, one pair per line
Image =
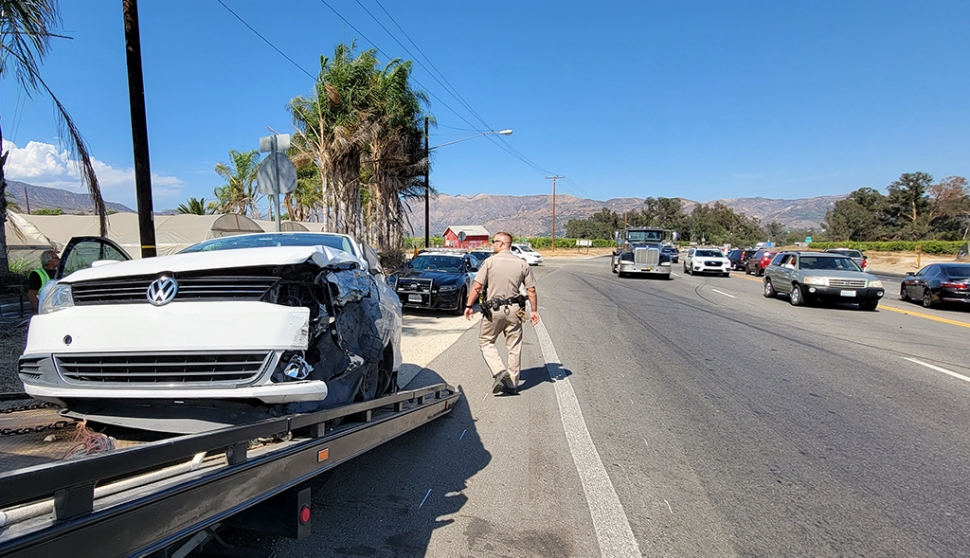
139,130
553,178
427,186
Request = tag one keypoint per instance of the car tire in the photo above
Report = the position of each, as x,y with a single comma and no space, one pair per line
902,293
759,272
927,298
726,274
797,296
621,274
869,306
462,297
769,289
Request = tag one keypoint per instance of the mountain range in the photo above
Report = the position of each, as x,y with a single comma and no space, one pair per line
520,215
532,215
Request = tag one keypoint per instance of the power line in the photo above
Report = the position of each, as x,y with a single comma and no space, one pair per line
265,40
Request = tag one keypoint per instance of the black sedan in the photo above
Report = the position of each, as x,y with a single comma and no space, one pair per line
938,284
435,281
672,252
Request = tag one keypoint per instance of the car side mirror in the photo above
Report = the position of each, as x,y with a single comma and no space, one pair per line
472,268
910,274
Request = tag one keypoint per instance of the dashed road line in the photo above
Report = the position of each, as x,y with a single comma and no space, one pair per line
613,532
938,369
723,293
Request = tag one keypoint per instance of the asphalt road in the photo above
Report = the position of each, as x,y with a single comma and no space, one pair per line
690,417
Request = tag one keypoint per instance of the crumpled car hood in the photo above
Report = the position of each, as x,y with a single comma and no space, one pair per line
322,256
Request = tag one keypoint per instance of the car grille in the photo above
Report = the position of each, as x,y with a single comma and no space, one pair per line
410,289
848,283
646,256
132,290
163,368
30,367
713,263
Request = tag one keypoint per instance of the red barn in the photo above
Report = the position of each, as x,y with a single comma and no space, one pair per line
475,236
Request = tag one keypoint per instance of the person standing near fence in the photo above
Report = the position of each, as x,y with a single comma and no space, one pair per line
502,276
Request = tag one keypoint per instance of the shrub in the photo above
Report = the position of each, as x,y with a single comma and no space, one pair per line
925,246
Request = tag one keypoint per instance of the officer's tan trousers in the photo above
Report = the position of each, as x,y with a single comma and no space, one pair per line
507,323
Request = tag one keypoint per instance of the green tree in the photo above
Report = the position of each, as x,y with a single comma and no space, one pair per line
909,205
949,208
238,194
26,27
601,225
193,206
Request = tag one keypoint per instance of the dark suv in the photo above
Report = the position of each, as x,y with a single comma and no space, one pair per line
756,264
739,256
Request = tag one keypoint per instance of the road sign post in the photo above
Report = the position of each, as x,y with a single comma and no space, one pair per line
277,175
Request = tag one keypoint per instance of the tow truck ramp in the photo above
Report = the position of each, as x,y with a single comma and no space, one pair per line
164,498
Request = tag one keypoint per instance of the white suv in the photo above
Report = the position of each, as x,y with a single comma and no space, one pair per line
526,252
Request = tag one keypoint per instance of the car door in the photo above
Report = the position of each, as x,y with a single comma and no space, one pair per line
781,274
913,283
82,251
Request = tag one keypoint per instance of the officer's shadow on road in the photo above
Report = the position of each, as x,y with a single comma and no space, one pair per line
390,500
532,377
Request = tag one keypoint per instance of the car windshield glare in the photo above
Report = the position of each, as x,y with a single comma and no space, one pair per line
709,254
271,239
436,263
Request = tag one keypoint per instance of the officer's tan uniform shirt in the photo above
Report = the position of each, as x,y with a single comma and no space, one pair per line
502,274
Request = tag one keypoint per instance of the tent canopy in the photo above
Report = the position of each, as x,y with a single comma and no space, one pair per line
172,232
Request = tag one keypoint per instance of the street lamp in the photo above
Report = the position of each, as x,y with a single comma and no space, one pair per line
427,172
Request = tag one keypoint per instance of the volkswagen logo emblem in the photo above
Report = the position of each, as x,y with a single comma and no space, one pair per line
162,290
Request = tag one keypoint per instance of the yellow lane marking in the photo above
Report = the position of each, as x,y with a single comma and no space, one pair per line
745,276
927,316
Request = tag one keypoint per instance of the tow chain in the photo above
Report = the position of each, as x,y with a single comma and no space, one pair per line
57,425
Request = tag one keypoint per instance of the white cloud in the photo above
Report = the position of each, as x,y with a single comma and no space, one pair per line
42,164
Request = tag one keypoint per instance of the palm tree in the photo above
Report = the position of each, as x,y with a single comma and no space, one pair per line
193,206
239,194
397,160
25,32
336,123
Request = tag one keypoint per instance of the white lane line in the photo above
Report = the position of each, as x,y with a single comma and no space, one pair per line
425,499
613,532
938,369
725,294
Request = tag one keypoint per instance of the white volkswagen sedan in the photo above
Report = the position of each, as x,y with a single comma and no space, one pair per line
706,260
232,328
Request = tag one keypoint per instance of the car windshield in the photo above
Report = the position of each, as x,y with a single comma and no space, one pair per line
709,254
526,249
957,270
643,236
828,263
436,263
272,239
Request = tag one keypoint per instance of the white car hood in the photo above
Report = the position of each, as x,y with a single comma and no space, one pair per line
217,259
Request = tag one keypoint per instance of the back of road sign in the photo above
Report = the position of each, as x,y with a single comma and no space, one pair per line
276,167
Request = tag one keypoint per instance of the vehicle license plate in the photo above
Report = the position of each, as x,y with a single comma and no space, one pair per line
848,293
417,297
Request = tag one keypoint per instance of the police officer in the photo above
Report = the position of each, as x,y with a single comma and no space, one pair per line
38,277
502,275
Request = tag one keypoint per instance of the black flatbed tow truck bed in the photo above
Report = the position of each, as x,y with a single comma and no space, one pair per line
166,497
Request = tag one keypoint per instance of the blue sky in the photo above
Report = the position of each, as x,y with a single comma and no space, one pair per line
701,100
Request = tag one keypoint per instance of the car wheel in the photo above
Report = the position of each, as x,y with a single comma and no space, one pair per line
726,274
797,297
613,266
462,296
903,295
759,271
869,306
769,289
747,271
927,298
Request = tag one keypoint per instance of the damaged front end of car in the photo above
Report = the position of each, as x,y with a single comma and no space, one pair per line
232,344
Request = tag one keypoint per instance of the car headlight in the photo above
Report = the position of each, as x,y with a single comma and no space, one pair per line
877,284
447,288
817,281
58,298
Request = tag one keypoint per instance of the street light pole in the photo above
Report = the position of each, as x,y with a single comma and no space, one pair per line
427,172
